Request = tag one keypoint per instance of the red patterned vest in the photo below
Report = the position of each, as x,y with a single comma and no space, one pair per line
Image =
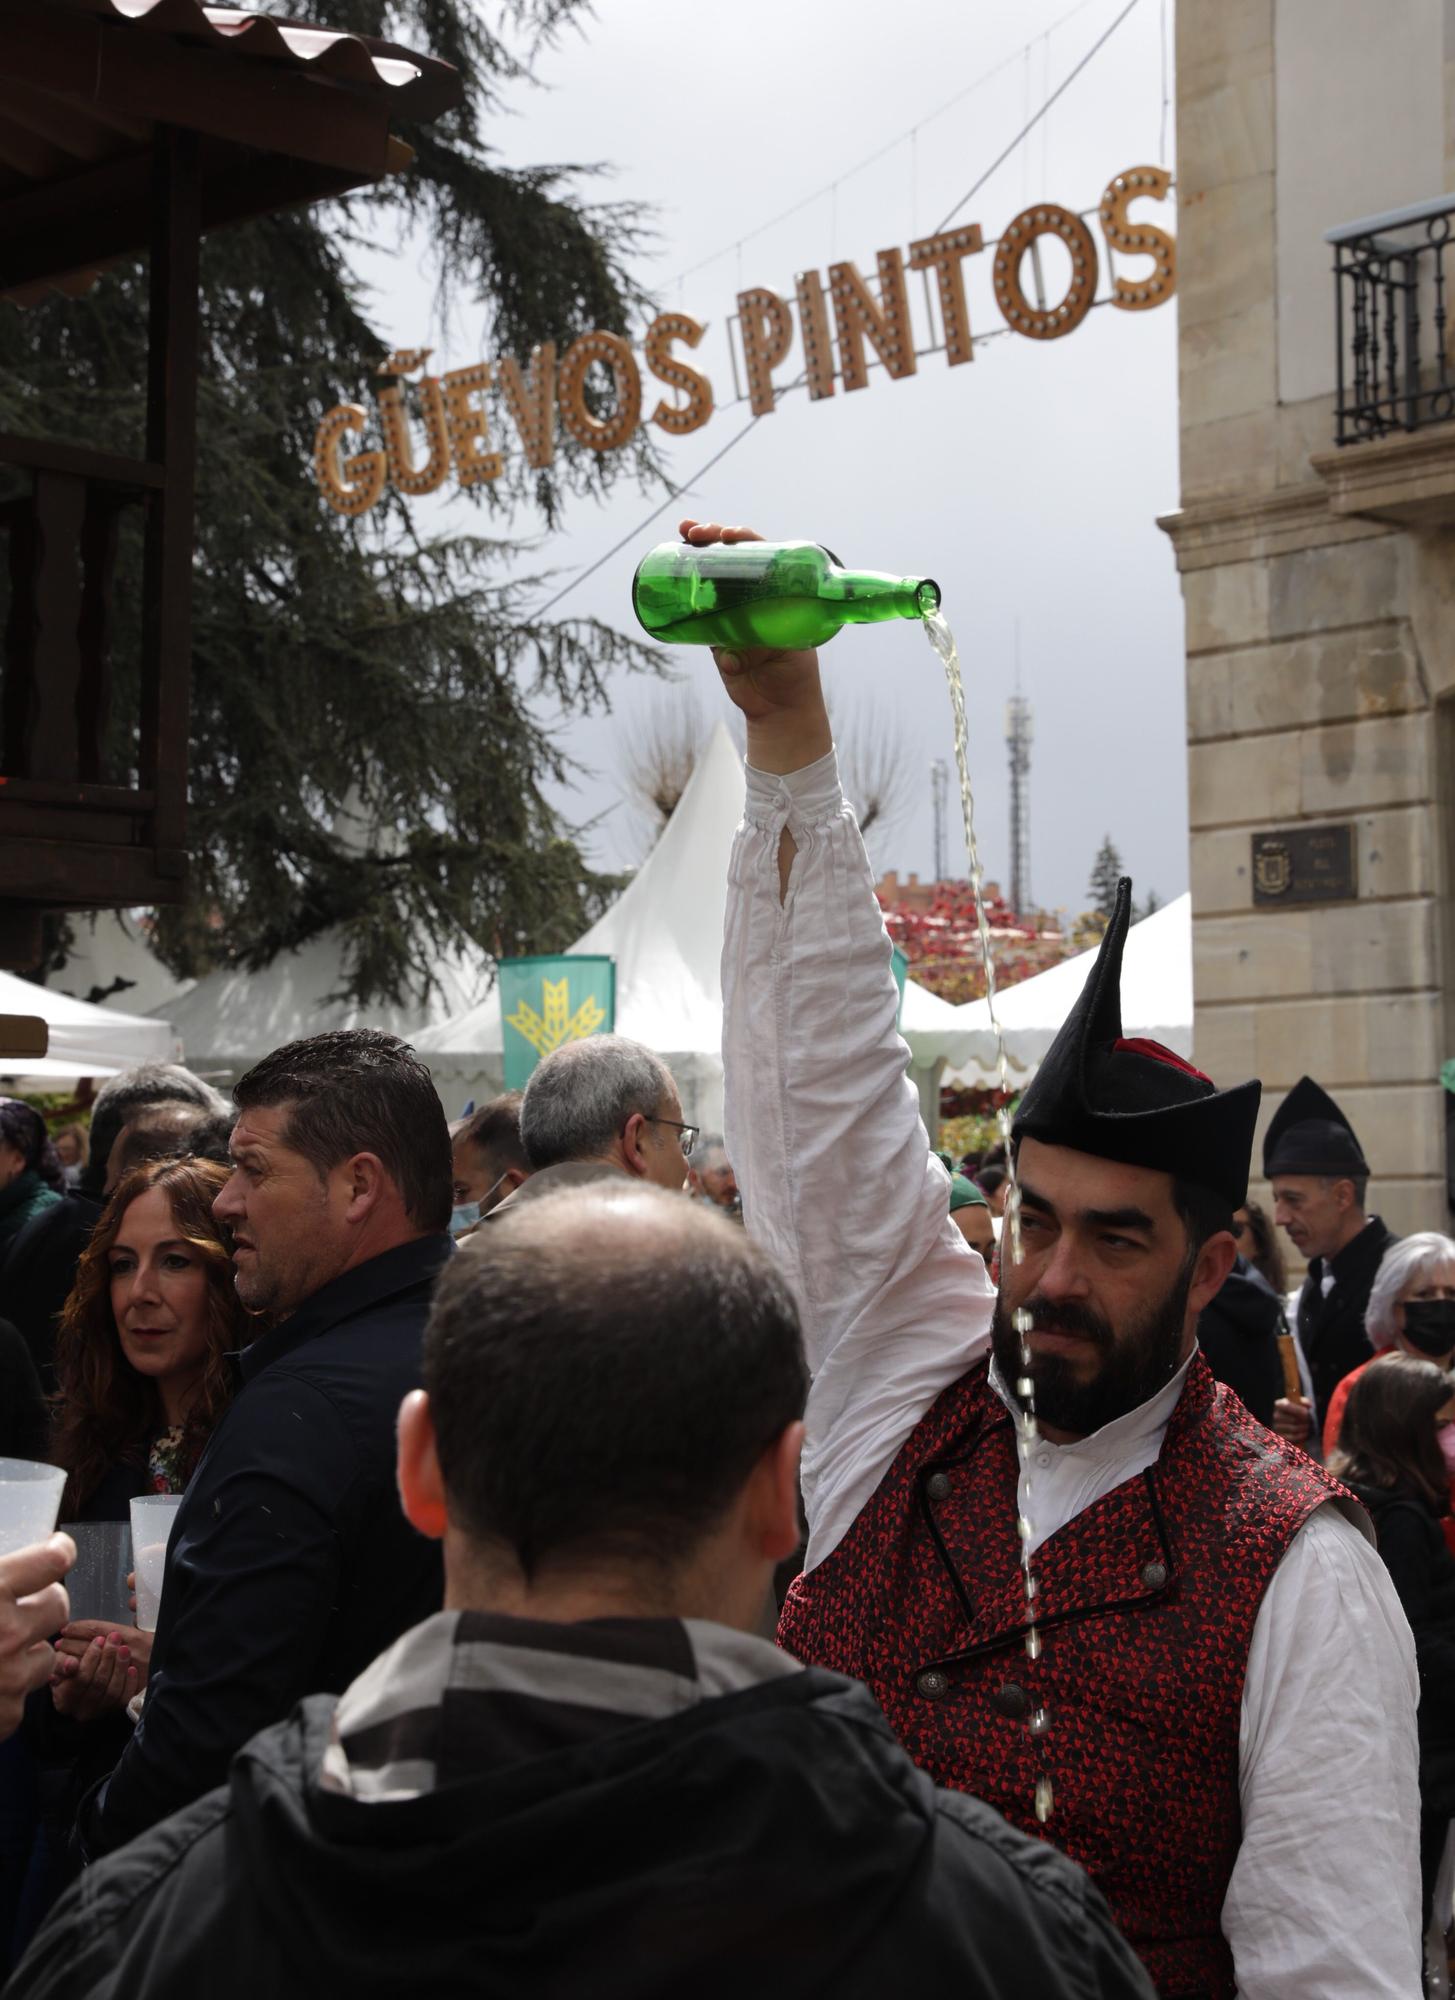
1146,1601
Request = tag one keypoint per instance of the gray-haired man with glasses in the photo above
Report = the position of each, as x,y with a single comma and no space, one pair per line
600,1109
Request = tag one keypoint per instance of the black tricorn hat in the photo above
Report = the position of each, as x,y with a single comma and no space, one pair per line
1309,1134
1135,1101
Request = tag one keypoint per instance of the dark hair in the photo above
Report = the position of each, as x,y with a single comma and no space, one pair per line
990,1178
1359,1183
605,1376
1387,1434
121,1097
105,1412
357,1090
158,1132
1203,1213
494,1131
22,1127
1266,1256
211,1136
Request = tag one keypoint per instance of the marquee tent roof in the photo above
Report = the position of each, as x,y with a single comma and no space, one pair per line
111,944
1156,1000
665,933
84,1040
232,1017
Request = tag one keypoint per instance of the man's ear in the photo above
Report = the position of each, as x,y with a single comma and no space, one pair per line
774,1518
421,1487
1214,1261
632,1136
365,1182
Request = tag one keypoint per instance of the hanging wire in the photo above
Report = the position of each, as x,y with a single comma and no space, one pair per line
1060,90
871,159
1045,122
674,497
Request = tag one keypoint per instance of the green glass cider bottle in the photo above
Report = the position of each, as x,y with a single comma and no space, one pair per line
790,595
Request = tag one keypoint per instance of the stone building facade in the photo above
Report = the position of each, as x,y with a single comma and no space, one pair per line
1318,580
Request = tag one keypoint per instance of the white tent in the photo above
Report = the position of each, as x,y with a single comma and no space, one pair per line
1156,1000
85,1040
108,945
665,933
232,1017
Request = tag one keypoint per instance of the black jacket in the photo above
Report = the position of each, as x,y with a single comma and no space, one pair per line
1238,1332
291,1565
24,1423
1422,1570
38,1271
1331,1330
771,1842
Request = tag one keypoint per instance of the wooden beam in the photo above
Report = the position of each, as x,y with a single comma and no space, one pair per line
45,455
99,798
101,213
248,99
171,441
49,747
100,535
75,875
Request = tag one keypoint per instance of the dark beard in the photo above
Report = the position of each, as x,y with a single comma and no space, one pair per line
1135,1364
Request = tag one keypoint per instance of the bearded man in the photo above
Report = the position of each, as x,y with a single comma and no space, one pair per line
1216,1641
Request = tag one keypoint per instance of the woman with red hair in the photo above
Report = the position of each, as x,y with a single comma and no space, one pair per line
142,1358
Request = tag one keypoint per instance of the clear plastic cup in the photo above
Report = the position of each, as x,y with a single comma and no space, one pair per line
30,1499
96,1582
152,1516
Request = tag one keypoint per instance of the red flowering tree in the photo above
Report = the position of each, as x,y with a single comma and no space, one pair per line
936,929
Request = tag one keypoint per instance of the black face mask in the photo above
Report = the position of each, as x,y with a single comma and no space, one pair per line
1429,1325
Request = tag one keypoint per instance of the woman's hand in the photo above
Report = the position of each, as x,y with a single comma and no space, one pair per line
98,1668
83,1632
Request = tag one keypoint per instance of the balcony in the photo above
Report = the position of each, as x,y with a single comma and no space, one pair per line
1395,397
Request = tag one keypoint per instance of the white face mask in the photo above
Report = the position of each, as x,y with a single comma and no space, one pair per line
468,1213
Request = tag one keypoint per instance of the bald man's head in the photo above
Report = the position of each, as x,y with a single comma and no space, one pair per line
604,1373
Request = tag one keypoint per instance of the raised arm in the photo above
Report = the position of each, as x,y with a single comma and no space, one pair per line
822,1123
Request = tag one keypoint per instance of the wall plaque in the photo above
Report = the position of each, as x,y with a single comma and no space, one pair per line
1305,864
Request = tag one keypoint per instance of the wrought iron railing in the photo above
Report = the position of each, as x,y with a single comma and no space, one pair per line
1391,300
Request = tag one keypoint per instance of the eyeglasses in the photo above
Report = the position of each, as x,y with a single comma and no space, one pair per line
687,1135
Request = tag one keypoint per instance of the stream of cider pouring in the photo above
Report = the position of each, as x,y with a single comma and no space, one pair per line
1026,1429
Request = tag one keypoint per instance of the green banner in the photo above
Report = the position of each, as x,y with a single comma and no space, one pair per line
901,973
547,1001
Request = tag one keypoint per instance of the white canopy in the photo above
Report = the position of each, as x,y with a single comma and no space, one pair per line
665,933
108,945
84,1040
1156,1000
233,1017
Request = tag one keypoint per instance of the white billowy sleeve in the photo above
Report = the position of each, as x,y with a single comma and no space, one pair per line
823,1129
1325,1894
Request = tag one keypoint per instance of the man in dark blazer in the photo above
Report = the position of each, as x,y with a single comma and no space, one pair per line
1320,1180
290,1564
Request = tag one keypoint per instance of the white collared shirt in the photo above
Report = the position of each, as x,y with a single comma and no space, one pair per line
838,1181
1062,1480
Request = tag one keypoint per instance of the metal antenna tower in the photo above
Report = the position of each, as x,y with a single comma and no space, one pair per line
1019,731
939,794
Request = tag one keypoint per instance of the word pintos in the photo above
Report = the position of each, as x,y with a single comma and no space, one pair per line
595,392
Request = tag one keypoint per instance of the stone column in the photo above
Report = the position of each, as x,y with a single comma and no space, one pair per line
1319,592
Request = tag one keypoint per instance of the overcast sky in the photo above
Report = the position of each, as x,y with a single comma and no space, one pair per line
1027,482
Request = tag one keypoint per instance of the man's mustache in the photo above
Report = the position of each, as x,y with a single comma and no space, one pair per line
1068,1317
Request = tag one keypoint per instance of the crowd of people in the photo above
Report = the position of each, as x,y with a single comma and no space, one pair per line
617,1557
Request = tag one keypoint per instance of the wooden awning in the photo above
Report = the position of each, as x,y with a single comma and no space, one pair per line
283,113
